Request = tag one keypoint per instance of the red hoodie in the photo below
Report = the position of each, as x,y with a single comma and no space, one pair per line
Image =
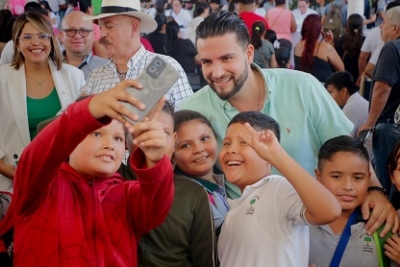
65,219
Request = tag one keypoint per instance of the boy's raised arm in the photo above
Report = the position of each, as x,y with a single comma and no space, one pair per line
321,206
41,160
152,196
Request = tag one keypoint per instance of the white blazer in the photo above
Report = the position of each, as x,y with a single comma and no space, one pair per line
14,129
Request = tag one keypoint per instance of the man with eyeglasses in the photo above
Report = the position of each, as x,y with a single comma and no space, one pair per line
385,96
78,38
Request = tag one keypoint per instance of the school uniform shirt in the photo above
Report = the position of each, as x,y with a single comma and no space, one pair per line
265,227
360,251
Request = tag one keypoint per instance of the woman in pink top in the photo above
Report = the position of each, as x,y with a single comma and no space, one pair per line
281,20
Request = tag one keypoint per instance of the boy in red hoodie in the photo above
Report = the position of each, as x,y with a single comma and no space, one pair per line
71,207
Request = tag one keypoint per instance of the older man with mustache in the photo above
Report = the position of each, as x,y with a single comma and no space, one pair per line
121,23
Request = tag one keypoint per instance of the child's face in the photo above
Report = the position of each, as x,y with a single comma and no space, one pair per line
100,153
339,96
240,163
195,148
395,176
168,125
346,175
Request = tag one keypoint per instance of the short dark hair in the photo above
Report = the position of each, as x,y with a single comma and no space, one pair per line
392,5
270,35
282,56
200,8
342,79
218,24
186,115
342,143
393,158
257,120
168,109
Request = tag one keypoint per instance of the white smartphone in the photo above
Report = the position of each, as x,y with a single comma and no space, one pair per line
156,80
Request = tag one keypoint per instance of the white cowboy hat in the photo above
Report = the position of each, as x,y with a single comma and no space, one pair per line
125,7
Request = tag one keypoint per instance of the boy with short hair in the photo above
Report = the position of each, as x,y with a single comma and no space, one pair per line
267,226
71,207
340,86
343,168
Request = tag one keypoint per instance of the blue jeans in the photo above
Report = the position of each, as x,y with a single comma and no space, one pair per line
385,137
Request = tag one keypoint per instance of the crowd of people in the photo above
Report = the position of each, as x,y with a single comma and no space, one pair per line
278,145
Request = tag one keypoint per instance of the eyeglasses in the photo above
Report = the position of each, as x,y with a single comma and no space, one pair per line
28,39
82,32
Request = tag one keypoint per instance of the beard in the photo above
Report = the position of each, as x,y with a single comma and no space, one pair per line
237,85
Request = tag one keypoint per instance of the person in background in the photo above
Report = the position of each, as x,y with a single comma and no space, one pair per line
51,15
85,6
78,38
299,14
180,15
215,5
34,87
349,44
6,25
264,52
120,35
385,96
312,54
245,10
340,86
282,56
281,20
183,51
158,38
201,11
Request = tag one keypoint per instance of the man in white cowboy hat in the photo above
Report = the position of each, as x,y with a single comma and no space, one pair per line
121,23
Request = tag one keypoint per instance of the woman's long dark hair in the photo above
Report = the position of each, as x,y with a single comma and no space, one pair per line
258,29
310,33
353,37
172,30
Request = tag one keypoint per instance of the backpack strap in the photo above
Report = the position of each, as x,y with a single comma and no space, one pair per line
344,239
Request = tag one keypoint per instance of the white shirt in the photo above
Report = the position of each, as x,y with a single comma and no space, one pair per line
371,44
182,18
265,227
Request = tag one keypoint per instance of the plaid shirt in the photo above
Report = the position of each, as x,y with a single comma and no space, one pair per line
105,77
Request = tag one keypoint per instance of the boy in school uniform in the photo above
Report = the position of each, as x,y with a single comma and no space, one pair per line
71,207
343,168
268,224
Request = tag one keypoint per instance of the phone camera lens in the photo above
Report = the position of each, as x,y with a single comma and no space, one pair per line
158,63
152,69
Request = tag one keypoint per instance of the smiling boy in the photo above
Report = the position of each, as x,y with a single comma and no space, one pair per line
267,225
343,168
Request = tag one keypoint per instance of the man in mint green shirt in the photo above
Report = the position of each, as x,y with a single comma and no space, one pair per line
296,100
